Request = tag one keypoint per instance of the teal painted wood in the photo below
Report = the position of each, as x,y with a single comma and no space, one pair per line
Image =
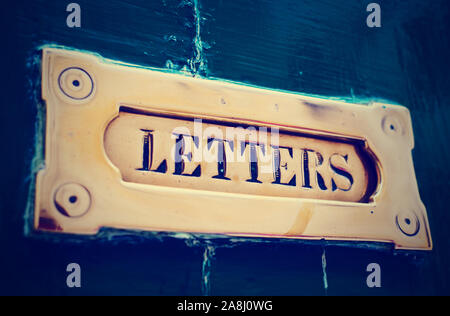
315,47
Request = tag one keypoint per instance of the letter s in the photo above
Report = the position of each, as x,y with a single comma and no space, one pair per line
344,181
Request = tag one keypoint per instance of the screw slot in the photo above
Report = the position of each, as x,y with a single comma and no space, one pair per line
73,199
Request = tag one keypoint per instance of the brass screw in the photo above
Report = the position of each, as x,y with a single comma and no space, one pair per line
408,224
76,83
392,125
72,200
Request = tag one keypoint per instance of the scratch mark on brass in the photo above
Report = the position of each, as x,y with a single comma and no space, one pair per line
302,220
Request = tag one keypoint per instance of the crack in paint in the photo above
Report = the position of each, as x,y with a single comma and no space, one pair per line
198,63
324,271
208,256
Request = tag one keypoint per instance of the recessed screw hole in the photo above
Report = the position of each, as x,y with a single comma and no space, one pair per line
408,221
75,83
392,127
73,199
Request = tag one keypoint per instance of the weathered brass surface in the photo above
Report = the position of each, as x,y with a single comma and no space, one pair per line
134,148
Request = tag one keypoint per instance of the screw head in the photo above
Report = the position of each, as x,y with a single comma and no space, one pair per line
72,200
408,223
76,83
392,125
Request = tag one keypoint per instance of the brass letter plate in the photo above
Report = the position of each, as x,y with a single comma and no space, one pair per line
134,148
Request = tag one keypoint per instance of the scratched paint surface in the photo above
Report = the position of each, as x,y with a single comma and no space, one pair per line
314,47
